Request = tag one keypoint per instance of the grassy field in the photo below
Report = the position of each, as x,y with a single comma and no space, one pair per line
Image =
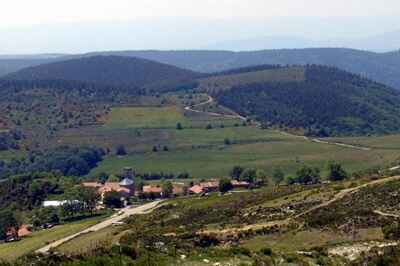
11,251
303,240
88,242
390,142
144,117
277,75
202,152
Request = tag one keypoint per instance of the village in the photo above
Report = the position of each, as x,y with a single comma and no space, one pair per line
115,198
127,189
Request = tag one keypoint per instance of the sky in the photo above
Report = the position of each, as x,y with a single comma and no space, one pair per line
26,13
86,25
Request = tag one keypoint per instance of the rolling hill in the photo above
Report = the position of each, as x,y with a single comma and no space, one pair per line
381,67
106,70
317,100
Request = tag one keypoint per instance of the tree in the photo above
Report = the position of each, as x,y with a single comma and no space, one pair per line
102,177
261,176
7,221
179,126
308,175
167,189
225,185
112,199
336,172
278,176
120,150
113,179
88,196
248,175
236,172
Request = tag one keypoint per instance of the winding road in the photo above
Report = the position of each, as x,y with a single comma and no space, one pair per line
258,124
146,208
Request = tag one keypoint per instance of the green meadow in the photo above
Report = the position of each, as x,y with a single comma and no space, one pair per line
205,153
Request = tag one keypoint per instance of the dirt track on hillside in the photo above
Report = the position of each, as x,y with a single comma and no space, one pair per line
106,223
340,195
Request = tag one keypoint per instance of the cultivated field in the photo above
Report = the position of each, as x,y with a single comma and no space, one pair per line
204,152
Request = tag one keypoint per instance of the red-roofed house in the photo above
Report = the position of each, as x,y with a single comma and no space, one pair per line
13,234
125,187
196,189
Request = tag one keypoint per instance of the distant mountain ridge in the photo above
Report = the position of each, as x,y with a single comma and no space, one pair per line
106,70
381,67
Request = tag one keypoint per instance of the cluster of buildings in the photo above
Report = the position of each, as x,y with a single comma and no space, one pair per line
213,186
127,189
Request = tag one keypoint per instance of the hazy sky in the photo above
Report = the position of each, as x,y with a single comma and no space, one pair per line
27,12
75,26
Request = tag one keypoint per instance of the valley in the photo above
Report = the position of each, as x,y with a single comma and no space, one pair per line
262,165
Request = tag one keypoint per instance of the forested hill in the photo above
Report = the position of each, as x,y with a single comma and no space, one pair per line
328,102
106,70
381,67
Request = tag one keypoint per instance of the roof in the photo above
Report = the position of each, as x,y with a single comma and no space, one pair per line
54,203
240,183
126,182
113,186
22,231
177,190
151,189
92,184
197,189
211,184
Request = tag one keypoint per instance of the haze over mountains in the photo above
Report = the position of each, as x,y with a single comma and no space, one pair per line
381,67
105,70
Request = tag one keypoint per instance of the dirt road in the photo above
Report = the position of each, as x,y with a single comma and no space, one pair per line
258,124
346,192
211,100
340,195
106,223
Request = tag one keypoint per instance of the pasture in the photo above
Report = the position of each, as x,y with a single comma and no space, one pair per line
209,146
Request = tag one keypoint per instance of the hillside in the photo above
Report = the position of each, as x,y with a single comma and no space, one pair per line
106,70
328,102
381,67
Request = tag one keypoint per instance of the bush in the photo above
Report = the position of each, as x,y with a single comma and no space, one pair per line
120,150
392,231
266,251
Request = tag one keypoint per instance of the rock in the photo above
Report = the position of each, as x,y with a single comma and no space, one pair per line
183,257
206,261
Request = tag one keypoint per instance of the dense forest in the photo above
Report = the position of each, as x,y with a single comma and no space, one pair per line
68,161
330,102
383,67
106,70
